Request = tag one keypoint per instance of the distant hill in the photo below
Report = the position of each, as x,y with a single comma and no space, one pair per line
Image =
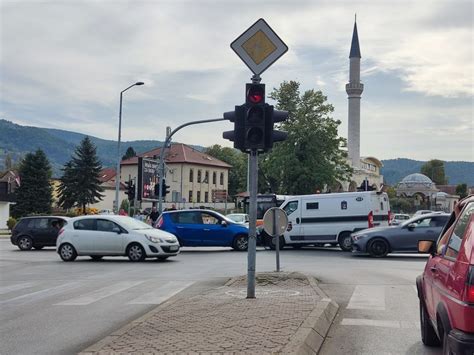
59,145
457,172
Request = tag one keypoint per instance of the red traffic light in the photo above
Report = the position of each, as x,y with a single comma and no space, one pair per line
255,94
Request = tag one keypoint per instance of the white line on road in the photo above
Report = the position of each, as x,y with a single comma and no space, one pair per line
162,293
99,294
16,287
381,323
368,297
39,295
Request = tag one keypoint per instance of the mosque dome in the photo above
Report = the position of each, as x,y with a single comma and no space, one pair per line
417,179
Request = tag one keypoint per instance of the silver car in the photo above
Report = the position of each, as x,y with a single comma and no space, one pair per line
110,235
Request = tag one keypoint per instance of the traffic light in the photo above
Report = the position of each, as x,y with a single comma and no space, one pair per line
271,135
130,190
164,188
254,119
238,134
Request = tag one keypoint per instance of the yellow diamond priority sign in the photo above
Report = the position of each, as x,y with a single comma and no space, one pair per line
259,47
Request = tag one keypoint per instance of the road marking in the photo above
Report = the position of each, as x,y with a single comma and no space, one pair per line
162,293
39,295
99,294
368,297
381,323
16,287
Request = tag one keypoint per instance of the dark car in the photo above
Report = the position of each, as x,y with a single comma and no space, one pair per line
37,232
446,287
204,228
378,242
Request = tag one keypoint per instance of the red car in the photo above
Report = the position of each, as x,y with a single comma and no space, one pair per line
446,287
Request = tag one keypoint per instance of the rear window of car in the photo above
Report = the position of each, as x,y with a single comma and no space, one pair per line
85,224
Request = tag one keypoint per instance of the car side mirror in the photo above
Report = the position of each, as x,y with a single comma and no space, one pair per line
116,230
223,223
411,226
426,247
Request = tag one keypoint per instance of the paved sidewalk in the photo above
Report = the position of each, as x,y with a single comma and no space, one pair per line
290,315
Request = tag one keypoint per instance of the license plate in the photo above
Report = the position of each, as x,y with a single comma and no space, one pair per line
174,248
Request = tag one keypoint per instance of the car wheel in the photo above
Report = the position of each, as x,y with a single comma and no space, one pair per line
378,248
272,243
162,258
135,252
345,241
67,252
25,243
241,243
96,257
38,247
428,334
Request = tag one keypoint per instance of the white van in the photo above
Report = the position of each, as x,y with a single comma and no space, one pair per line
331,218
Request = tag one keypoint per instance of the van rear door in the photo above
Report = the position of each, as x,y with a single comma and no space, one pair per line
380,208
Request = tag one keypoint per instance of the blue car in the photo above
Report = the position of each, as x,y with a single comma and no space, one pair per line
201,228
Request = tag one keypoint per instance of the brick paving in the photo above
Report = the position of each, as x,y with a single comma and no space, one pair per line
221,320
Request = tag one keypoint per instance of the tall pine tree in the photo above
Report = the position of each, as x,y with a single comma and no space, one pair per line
130,153
34,195
80,183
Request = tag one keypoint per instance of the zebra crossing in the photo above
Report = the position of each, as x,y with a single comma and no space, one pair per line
83,293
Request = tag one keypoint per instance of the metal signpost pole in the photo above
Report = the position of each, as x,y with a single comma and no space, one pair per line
252,243
277,249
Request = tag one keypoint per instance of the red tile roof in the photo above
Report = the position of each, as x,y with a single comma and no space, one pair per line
180,153
106,174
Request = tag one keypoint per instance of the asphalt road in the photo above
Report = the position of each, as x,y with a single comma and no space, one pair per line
51,307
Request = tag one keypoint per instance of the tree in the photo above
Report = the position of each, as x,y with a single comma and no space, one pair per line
80,183
434,169
311,158
130,153
461,190
34,195
238,172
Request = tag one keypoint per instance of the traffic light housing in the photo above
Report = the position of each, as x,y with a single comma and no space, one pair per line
254,122
130,186
164,188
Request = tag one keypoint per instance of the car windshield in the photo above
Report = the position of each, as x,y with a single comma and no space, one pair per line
239,218
134,224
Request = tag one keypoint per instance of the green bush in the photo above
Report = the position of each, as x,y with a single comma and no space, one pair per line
11,223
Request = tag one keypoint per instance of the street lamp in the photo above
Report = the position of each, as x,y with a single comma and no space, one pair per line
117,171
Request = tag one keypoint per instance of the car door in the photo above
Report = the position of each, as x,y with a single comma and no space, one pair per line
295,229
420,229
189,227
215,233
41,231
109,241
84,236
54,225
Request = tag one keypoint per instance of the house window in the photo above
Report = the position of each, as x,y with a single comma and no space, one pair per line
191,175
206,177
190,197
198,197
214,178
199,176
206,197
222,179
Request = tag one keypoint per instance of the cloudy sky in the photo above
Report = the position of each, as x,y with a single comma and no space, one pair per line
64,63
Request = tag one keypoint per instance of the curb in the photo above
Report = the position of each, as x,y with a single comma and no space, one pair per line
310,336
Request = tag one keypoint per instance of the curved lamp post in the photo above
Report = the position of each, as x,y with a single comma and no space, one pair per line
117,171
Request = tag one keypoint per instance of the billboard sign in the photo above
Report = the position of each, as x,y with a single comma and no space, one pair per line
147,179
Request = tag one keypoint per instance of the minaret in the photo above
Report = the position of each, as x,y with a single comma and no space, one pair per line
354,91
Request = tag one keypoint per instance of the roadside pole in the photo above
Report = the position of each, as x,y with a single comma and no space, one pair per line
163,149
252,243
277,249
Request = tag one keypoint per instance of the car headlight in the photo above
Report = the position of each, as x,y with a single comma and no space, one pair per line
171,239
359,236
154,239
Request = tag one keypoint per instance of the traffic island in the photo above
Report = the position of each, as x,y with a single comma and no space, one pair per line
290,315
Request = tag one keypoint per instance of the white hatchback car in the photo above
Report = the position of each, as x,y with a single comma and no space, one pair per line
110,235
